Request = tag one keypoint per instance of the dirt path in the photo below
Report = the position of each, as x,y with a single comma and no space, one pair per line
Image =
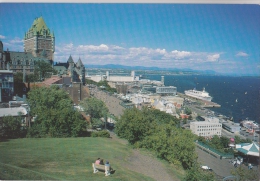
145,164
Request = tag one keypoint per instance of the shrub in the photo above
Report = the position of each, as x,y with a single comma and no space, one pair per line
102,133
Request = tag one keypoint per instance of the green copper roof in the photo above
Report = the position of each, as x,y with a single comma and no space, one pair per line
39,27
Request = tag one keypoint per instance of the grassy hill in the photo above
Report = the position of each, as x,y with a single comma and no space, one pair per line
63,159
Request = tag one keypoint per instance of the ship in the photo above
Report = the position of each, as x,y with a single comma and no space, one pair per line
203,95
250,126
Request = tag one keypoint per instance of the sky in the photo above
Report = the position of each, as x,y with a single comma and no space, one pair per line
221,37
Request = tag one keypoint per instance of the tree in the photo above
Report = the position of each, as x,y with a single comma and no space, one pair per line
159,133
107,87
243,173
94,107
42,68
11,127
188,111
19,86
162,117
134,125
224,141
195,173
54,112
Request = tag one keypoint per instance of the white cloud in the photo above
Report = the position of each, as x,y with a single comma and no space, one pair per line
213,58
16,40
2,37
175,54
134,56
242,54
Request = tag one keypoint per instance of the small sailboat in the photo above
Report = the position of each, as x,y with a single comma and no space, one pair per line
236,100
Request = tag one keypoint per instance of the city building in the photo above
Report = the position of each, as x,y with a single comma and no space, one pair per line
39,40
6,85
207,128
231,127
15,112
39,44
166,90
115,78
75,70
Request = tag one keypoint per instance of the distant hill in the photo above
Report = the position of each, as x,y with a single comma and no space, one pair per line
114,66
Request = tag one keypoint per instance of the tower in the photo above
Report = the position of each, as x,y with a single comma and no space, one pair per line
39,40
82,70
71,68
162,80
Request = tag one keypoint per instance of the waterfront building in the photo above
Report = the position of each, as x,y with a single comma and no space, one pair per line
39,40
166,90
231,127
115,78
207,128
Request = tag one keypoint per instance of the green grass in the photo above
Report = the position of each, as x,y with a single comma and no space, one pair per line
63,159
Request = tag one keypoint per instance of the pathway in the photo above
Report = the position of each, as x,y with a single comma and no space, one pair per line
145,164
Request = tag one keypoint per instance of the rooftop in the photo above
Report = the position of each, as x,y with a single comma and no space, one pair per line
14,111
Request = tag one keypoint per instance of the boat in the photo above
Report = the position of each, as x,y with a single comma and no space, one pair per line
251,126
203,95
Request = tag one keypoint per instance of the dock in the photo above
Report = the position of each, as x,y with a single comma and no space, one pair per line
203,103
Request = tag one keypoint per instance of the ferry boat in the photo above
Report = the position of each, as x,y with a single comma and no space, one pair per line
251,126
203,95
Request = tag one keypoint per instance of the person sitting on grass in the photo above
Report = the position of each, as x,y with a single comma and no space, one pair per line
97,161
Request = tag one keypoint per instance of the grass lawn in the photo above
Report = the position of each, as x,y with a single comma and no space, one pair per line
63,159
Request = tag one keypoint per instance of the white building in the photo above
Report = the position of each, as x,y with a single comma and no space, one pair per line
114,78
207,128
15,112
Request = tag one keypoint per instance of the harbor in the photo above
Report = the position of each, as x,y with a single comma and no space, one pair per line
203,103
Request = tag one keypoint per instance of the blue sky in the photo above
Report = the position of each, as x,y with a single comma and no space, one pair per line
223,38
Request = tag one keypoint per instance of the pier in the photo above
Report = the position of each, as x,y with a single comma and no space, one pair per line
203,103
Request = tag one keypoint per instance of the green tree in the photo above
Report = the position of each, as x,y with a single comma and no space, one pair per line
215,142
19,86
42,69
195,173
134,125
161,117
94,107
159,133
224,141
107,87
243,174
89,81
11,127
188,111
54,112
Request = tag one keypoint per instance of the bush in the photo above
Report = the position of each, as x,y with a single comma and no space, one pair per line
11,127
103,133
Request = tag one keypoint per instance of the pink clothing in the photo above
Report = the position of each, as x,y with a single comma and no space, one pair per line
97,162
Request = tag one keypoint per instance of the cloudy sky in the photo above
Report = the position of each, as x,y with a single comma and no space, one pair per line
223,38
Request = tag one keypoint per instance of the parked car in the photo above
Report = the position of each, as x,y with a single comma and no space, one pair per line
204,167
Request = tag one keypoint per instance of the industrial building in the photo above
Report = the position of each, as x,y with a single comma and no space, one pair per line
231,127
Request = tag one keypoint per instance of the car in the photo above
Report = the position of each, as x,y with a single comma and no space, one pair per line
204,167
